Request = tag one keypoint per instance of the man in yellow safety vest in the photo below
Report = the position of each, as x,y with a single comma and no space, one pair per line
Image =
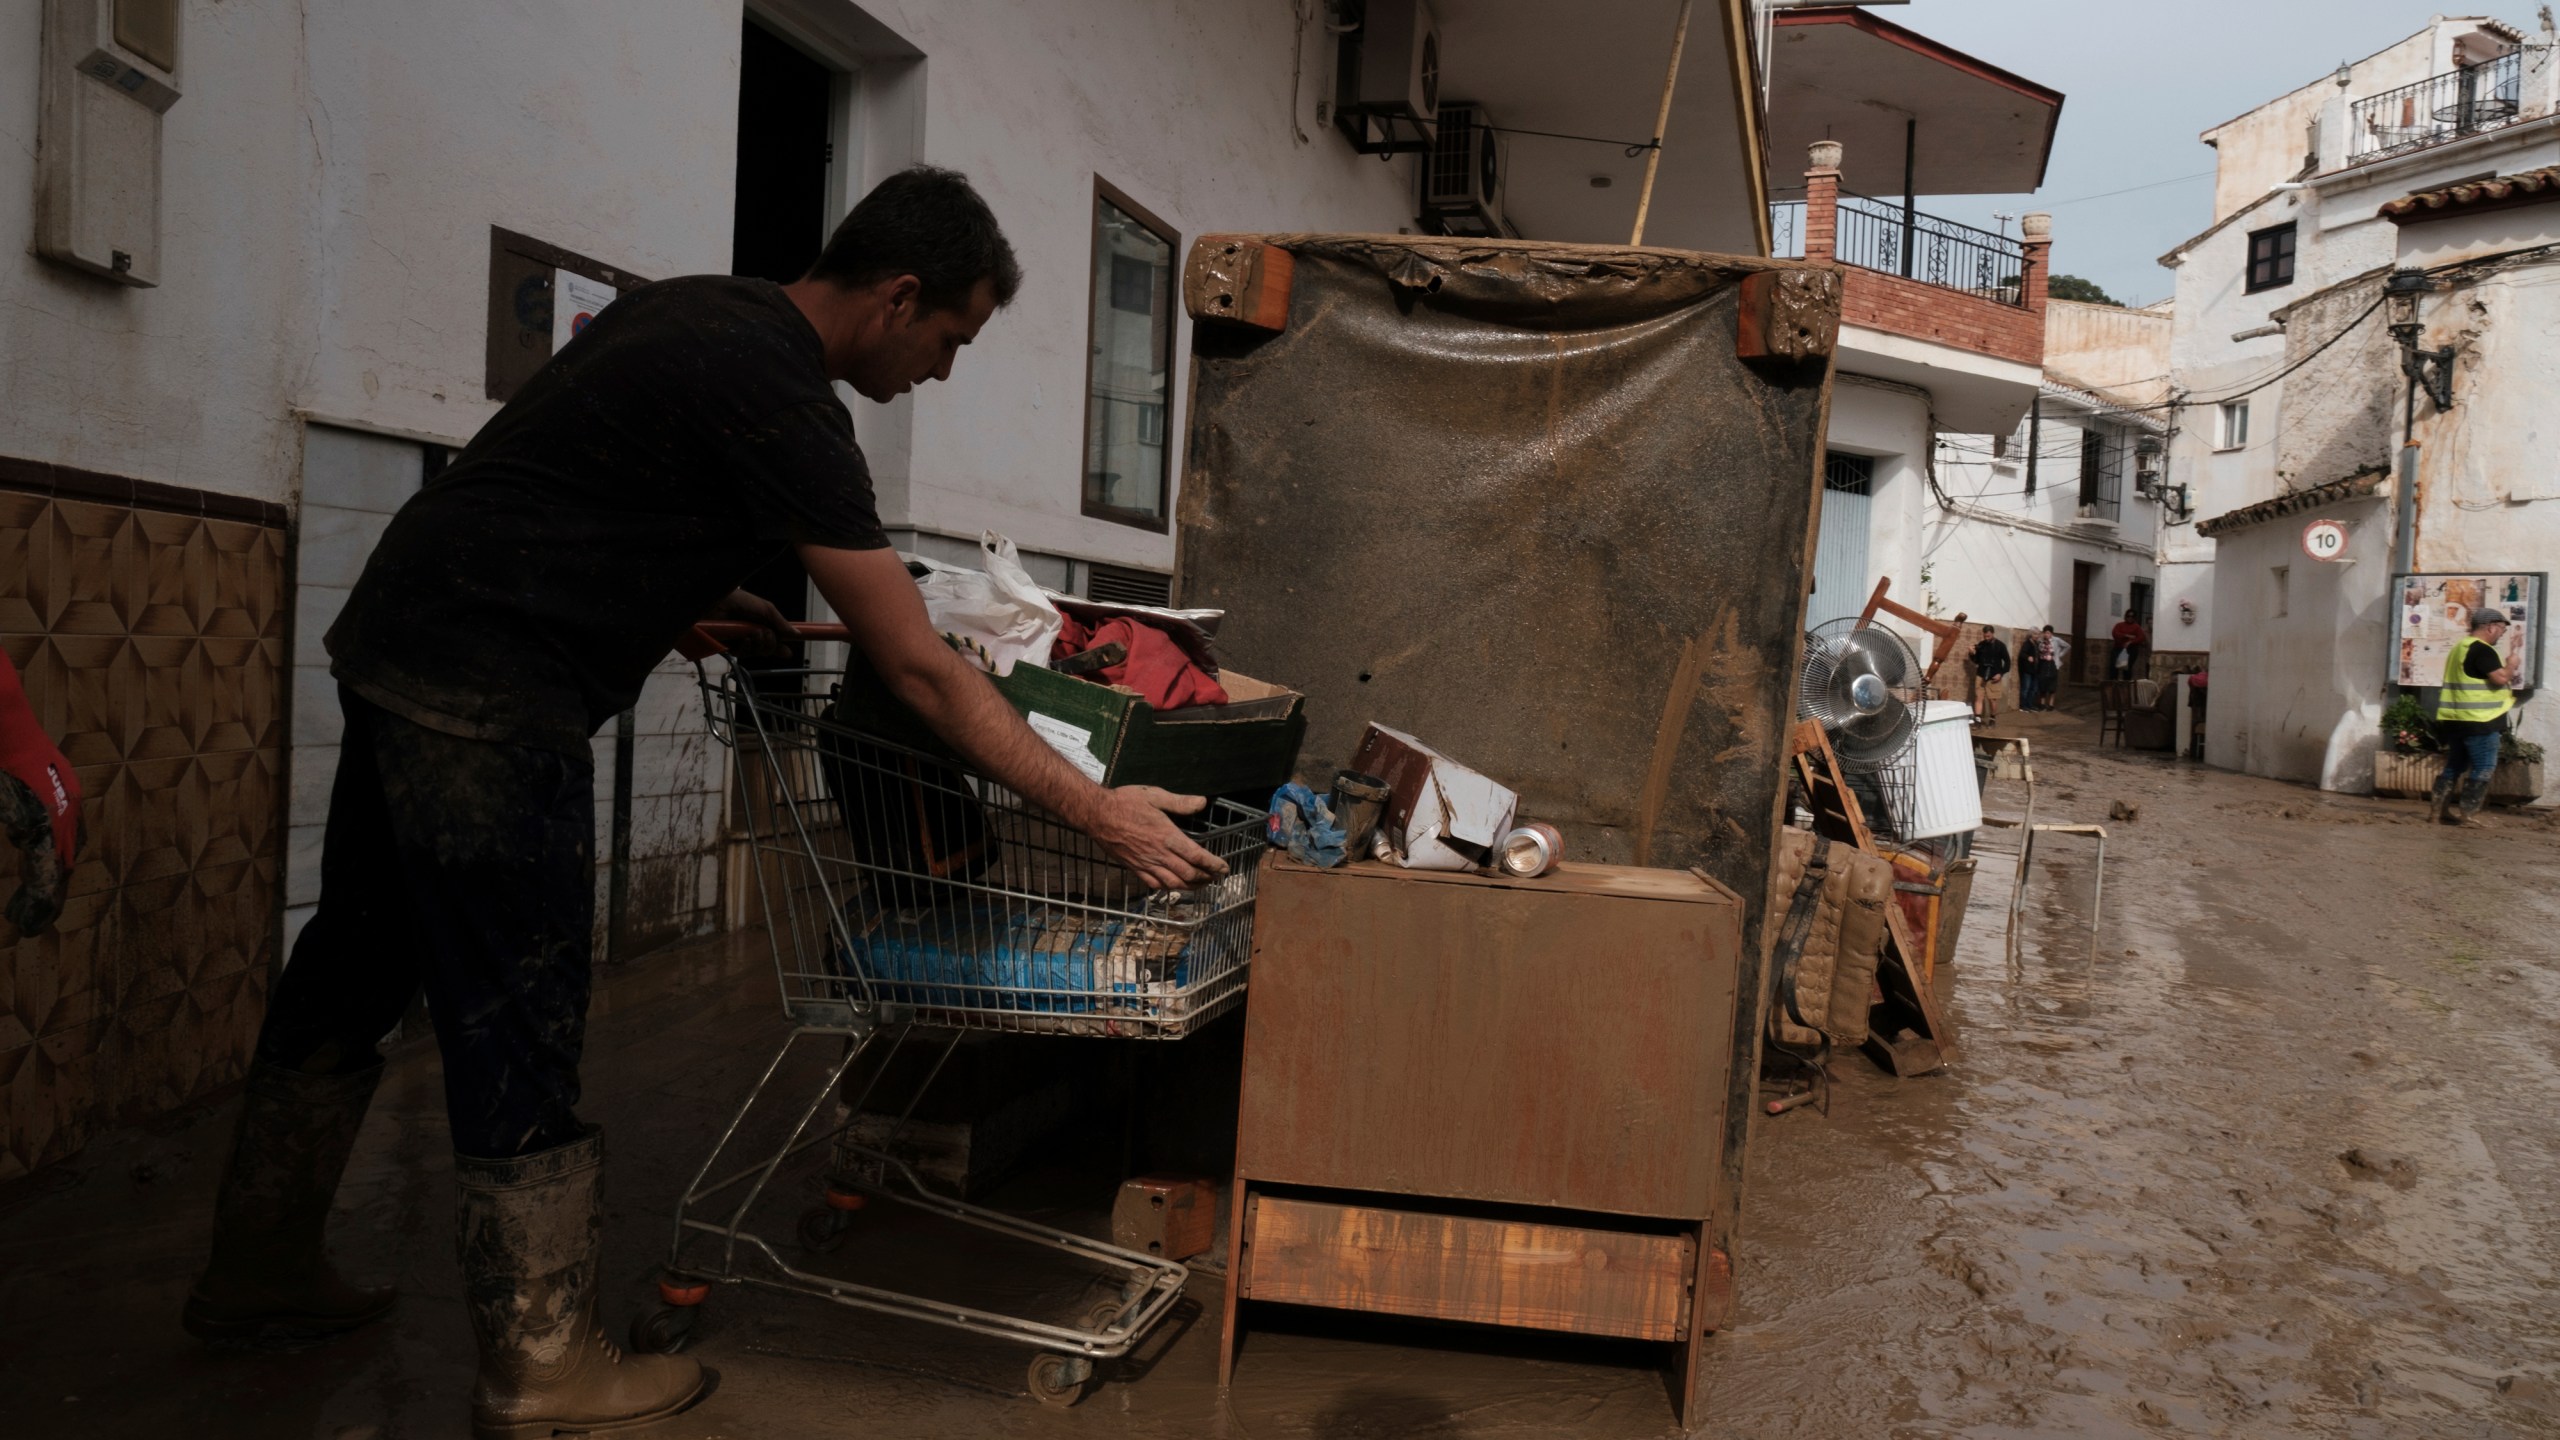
2471,715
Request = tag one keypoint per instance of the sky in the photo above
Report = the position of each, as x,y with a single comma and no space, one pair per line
2140,82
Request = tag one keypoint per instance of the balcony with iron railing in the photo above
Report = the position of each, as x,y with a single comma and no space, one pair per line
2438,110
1892,239
1976,298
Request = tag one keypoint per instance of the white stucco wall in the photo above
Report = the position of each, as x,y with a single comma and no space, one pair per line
2205,361
2489,478
191,383
1890,424
2297,695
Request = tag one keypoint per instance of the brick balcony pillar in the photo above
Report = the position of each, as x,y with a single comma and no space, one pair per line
2037,229
1821,199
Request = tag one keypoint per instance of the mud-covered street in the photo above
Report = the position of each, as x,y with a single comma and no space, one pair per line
2285,1160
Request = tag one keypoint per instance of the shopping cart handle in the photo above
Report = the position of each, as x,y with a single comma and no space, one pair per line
713,637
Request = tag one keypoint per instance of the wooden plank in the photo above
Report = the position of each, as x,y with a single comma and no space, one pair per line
1570,877
1790,315
1710,1311
1240,279
1489,1272
1229,1335
1479,1041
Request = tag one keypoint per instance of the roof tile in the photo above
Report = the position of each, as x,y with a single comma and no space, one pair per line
2471,194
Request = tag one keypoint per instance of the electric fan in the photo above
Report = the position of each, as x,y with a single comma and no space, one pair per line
1861,682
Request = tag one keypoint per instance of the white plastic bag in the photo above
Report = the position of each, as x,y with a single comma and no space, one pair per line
998,613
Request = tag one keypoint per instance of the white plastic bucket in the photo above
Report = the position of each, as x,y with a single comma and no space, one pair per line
1938,775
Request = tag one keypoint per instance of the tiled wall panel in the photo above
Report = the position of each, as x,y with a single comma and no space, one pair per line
152,646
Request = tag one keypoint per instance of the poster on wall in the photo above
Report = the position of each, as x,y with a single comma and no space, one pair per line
575,300
2434,611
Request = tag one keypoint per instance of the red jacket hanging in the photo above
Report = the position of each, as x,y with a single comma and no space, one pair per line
39,806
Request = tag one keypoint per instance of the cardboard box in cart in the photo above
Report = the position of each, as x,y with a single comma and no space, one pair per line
1245,747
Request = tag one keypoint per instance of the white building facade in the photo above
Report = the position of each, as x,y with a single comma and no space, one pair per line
2293,405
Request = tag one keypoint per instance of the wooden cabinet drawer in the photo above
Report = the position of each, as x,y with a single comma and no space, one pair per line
1488,1271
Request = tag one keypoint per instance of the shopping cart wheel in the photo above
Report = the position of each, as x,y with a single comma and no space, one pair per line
665,1330
822,1228
1100,1316
1059,1381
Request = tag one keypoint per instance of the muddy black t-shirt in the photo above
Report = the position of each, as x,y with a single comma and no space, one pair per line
687,435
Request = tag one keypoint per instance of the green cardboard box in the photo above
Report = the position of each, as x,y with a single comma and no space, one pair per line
1247,747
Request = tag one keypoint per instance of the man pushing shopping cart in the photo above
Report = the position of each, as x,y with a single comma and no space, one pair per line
686,436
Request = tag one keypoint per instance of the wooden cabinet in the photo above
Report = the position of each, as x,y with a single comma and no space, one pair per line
1489,1100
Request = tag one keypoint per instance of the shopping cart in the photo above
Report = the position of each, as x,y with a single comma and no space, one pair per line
908,901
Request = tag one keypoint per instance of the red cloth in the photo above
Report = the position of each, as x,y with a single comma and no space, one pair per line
2128,632
1157,668
28,755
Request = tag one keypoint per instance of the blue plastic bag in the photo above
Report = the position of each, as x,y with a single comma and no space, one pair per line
1303,824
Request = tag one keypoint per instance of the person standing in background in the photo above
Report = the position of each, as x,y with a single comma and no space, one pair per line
1990,666
2131,642
2049,668
2471,718
2031,661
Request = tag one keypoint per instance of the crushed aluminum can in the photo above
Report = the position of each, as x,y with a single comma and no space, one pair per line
1530,850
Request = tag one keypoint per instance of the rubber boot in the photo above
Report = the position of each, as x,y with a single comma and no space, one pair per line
2440,799
270,1278
2475,793
531,1234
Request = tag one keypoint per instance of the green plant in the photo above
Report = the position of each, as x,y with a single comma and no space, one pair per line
2407,728
2511,748
2072,287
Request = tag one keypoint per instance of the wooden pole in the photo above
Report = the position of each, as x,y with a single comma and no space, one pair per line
1662,121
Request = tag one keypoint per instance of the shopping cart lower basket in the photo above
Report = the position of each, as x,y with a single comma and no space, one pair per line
909,901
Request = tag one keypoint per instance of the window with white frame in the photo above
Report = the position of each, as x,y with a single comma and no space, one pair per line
2231,425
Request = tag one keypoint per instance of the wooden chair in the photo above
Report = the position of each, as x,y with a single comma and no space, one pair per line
2115,697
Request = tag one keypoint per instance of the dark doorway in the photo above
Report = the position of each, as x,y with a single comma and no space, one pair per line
2139,595
2084,578
785,104
784,101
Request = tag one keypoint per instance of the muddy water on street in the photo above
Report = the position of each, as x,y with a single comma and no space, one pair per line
2280,1161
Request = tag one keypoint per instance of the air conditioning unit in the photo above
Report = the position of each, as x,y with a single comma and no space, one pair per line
1390,63
1462,174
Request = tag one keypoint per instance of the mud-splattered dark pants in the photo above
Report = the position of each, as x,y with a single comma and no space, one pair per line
466,867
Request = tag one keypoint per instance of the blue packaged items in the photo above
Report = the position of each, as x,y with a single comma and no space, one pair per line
1060,960
1302,824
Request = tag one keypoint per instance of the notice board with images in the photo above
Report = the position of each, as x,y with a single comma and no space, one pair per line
2432,611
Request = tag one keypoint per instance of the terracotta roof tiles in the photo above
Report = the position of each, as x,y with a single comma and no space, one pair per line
2523,187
